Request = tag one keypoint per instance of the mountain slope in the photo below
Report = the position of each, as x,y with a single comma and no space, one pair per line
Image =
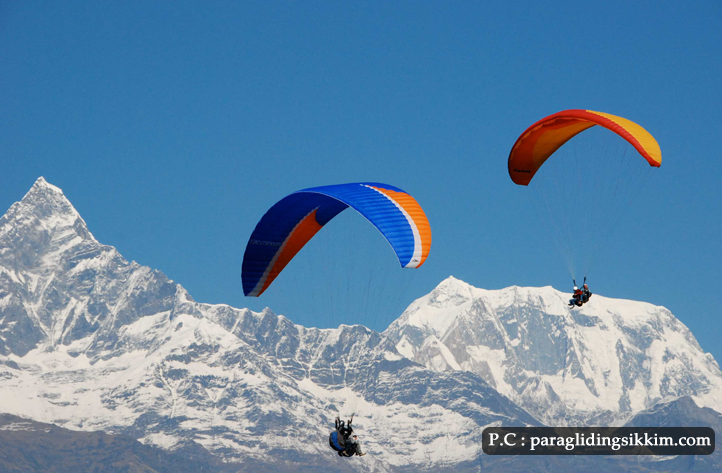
91,341
596,365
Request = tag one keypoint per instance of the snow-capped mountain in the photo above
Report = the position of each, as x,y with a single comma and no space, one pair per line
90,341
600,364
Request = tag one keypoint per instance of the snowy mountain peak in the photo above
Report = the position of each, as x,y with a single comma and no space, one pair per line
46,200
439,310
41,183
59,286
452,284
44,219
603,362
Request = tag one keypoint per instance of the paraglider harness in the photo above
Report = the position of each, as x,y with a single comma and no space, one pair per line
339,439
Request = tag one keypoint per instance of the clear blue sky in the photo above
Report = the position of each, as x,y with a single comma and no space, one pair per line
172,127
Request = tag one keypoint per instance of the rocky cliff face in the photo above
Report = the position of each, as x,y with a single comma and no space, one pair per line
60,286
90,341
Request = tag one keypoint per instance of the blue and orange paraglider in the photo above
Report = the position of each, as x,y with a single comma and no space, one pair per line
295,219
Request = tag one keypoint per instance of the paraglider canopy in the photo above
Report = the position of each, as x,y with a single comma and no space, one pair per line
587,174
295,219
543,138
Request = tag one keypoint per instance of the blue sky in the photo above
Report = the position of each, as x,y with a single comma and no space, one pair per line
172,127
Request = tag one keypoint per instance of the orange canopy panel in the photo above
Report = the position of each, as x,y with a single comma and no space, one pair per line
543,138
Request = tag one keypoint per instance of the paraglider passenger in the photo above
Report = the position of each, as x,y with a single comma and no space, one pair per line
576,299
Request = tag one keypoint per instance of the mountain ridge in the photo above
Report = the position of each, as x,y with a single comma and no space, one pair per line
91,341
523,340
111,345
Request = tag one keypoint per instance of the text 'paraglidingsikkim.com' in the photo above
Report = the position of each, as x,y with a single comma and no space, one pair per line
598,441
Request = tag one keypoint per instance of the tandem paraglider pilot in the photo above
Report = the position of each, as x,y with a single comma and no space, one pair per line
580,296
344,441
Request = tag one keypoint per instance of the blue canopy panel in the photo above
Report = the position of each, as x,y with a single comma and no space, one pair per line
295,219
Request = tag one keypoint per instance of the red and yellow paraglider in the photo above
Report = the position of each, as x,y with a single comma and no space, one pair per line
588,184
546,136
